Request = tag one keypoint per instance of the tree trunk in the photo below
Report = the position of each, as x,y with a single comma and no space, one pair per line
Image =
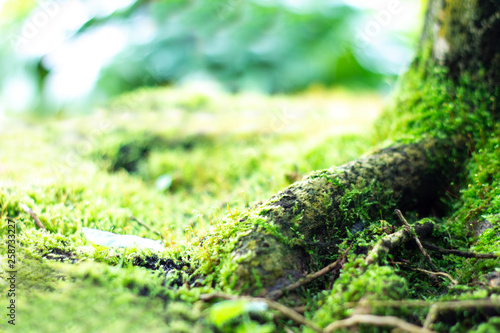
463,36
297,230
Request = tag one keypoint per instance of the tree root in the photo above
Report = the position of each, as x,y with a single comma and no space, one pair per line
396,239
278,237
443,274
337,265
434,307
299,319
415,237
285,311
459,253
455,305
377,321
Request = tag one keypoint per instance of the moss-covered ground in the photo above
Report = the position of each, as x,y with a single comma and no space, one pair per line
177,160
190,165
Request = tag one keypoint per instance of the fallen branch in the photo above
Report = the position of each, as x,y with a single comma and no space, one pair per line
464,254
33,215
377,321
415,237
310,277
135,219
285,311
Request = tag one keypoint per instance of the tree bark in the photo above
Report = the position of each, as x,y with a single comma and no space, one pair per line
463,35
298,230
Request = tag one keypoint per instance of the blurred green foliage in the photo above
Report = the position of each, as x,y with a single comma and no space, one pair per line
259,45
244,45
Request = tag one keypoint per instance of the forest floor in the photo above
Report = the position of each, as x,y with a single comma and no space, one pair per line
176,160
181,166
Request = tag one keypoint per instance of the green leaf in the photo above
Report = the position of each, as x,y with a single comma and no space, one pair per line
224,311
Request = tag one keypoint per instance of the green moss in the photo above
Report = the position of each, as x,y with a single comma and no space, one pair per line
438,107
102,187
354,284
100,298
492,325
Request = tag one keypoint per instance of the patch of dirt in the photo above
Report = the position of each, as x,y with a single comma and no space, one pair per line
60,255
166,266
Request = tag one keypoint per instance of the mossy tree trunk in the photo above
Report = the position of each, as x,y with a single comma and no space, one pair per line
298,229
463,35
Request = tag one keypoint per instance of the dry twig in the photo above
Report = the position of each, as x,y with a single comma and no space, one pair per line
135,219
415,237
310,277
443,274
285,311
377,321
459,253
35,218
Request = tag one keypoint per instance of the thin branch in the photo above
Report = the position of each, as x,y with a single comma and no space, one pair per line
285,311
433,313
407,266
35,218
299,309
135,219
377,321
390,303
415,237
333,276
443,274
417,303
308,278
387,243
459,253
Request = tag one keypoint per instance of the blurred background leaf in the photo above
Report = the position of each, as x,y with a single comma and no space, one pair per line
67,55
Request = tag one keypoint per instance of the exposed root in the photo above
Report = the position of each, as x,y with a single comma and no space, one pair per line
336,273
377,321
337,265
465,254
415,303
454,305
415,237
443,274
386,244
285,311
33,215
435,307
